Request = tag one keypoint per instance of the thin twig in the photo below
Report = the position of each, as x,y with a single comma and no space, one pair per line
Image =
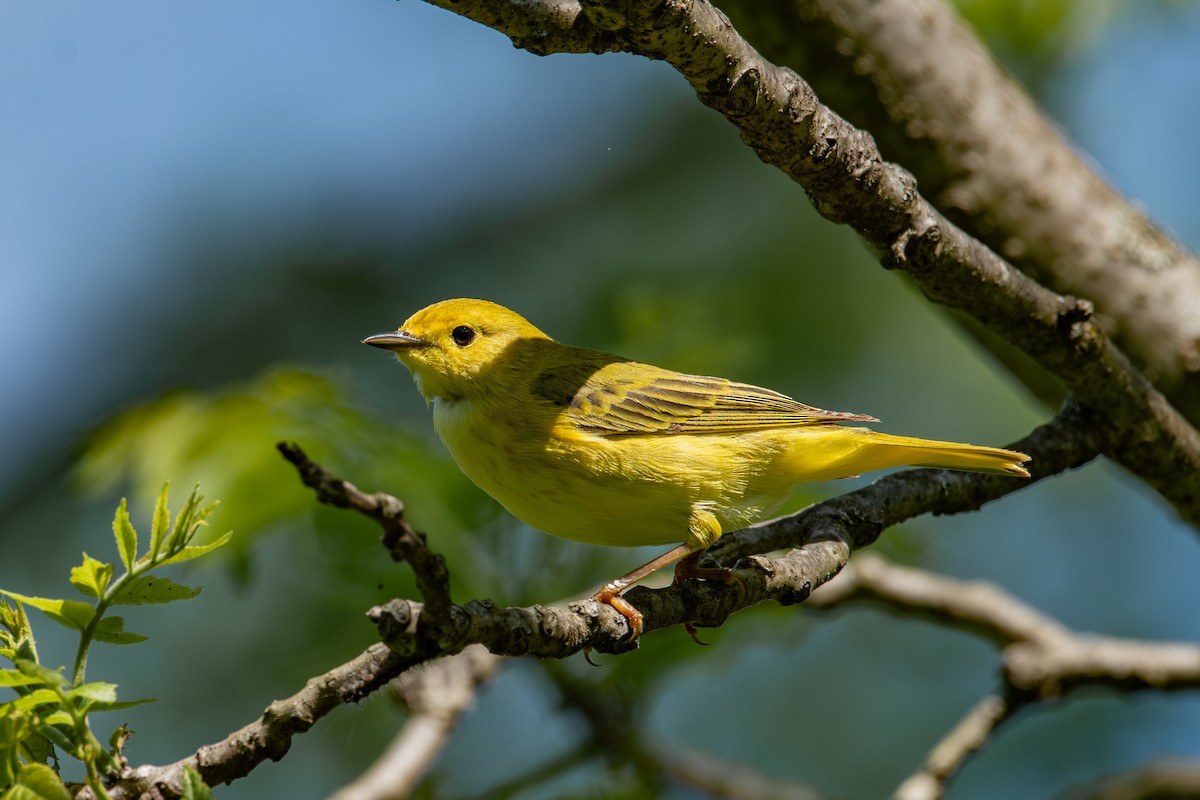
403,541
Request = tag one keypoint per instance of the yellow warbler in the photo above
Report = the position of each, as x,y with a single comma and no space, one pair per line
596,448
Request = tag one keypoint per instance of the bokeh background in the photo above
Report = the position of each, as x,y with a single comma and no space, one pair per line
204,207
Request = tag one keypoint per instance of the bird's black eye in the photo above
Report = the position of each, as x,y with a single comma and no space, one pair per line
462,335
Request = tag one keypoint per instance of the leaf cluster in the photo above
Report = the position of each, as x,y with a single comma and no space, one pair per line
50,714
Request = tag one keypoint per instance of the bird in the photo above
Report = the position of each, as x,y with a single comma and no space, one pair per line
596,448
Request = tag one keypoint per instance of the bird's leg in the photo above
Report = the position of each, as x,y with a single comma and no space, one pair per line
690,567
610,594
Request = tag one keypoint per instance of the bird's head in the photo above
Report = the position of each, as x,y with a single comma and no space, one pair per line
456,348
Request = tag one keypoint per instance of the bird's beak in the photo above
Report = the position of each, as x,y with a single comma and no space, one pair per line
394,340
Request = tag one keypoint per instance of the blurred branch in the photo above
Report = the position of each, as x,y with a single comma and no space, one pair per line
548,770
436,697
960,743
934,98
1160,779
716,777
1042,659
849,182
616,731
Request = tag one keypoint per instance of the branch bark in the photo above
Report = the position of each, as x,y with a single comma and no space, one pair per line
270,736
915,76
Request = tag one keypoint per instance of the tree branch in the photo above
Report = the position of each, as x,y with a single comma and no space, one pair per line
613,718
436,698
962,741
848,181
402,541
1160,779
1042,660
929,91
270,736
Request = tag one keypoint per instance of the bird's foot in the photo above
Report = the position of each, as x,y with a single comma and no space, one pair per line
610,595
690,567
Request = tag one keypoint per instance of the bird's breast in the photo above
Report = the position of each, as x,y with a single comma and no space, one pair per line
634,490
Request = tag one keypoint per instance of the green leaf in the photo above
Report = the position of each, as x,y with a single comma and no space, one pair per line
162,521
194,787
112,630
56,729
10,677
119,737
44,675
17,640
14,725
122,704
195,551
146,589
38,748
38,697
63,719
14,619
92,577
8,759
71,613
126,535
95,692
36,782
189,520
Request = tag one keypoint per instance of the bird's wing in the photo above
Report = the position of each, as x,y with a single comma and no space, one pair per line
629,398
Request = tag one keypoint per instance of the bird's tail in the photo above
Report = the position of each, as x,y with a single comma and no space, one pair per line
911,452
827,452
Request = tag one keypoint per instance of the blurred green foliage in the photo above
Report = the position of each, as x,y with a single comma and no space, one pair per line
1035,36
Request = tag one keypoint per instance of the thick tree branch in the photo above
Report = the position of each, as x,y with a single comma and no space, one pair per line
910,72
849,182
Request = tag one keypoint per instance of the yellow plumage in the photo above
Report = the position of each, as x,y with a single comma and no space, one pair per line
595,448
